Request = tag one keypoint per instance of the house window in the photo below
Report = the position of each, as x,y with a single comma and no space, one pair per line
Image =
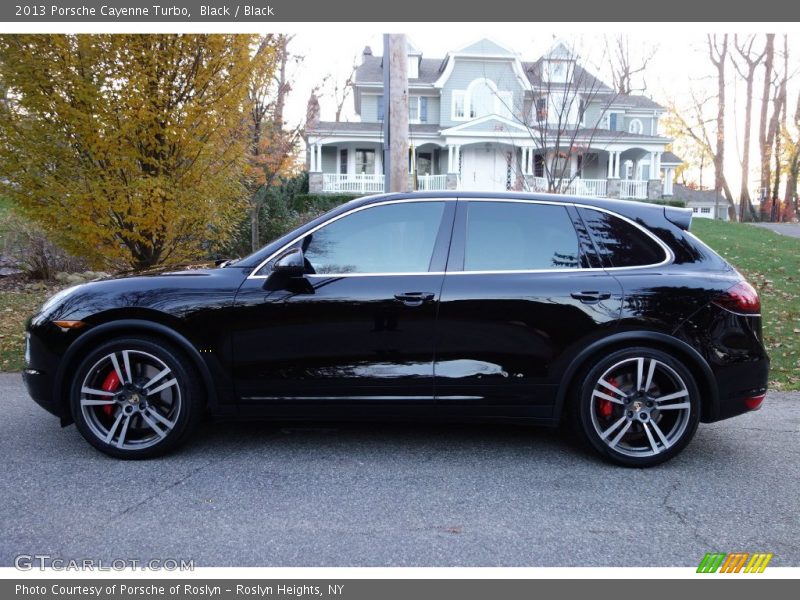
365,161
581,110
612,121
458,104
538,165
635,126
418,109
579,161
413,109
705,210
343,161
380,108
541,109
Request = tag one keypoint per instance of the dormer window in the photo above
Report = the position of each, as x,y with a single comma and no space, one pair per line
557,71
635,126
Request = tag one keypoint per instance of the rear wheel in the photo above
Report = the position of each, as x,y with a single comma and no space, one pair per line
638,407
135,398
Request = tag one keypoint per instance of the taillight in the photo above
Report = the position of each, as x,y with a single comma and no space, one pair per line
754,402
741,298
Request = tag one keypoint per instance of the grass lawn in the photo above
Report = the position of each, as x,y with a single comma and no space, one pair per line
771,262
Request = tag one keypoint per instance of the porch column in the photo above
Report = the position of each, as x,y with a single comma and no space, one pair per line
450,158
658,166
610,165
456,158
530,161
617,160
312,158
669,173
319,157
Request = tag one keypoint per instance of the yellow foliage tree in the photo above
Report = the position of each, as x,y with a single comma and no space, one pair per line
128,149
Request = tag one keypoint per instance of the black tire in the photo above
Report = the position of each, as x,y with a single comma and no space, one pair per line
128,419
658,422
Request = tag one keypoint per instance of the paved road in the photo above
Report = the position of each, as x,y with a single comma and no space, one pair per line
790,229
258,495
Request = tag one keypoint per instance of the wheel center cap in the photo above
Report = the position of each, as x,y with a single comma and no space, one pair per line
636,406
134,399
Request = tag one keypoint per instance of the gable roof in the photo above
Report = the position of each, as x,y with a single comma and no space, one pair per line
533,70
486,46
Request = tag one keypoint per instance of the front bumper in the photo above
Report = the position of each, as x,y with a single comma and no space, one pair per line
39,377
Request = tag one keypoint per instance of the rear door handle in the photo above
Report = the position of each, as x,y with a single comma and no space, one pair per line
415,298
591,297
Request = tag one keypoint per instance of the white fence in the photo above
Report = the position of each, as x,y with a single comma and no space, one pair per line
429,183
360,183
633,188
577,187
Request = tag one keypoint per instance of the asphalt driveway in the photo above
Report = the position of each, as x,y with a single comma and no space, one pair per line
383,495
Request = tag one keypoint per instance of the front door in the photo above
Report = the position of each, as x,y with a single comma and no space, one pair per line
519,299
358,326
483,168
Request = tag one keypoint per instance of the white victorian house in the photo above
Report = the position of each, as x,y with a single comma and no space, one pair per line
483,119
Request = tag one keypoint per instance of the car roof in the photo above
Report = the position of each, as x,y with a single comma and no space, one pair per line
630,208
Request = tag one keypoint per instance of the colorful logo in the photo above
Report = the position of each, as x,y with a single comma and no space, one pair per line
734,562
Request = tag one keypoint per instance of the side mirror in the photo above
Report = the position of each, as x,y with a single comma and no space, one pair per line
291,263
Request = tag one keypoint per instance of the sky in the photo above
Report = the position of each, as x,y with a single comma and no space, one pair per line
679,63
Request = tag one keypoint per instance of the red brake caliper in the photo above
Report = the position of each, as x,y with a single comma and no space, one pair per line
110,384
604,407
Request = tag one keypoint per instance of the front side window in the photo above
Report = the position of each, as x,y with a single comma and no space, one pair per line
620,243
518,236
392,238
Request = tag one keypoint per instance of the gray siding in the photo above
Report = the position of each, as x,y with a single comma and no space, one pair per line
466,71
646,124
329,157
594,114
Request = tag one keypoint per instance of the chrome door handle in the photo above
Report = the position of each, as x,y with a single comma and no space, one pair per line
415,298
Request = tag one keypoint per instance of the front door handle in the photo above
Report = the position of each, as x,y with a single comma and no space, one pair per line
591,297
414,298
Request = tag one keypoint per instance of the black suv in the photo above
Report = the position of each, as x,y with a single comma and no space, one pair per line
453,305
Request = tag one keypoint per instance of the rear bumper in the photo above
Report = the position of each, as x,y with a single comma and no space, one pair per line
737,384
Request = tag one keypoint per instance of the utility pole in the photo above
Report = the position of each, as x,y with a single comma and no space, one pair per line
395,127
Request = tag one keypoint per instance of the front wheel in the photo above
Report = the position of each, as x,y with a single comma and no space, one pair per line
135,398
638,407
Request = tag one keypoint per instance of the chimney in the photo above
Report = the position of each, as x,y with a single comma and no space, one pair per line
367,52
312,112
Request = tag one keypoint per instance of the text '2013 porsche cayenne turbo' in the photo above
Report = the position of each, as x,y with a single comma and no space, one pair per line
529,308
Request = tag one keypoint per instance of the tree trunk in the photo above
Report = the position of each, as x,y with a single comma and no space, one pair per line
720,182
255,242
764,138
398,113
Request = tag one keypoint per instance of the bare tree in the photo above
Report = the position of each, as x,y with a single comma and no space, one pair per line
560,122
342,91
624,69
746,65
718,54
793,162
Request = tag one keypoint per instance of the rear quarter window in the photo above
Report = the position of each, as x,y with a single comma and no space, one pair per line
619,243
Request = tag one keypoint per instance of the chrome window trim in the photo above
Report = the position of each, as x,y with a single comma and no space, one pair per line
336,218
669,256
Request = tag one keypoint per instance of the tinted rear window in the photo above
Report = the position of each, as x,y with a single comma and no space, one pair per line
516,236
619,243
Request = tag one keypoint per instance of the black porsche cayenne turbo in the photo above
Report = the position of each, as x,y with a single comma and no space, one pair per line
533,308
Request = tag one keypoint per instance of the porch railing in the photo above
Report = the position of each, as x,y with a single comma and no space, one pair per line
633,188
577,187
359,183
430,183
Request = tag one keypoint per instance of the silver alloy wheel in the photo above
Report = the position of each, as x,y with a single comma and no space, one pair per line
640,407
130,399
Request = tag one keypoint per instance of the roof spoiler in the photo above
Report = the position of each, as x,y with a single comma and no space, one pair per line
682,217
